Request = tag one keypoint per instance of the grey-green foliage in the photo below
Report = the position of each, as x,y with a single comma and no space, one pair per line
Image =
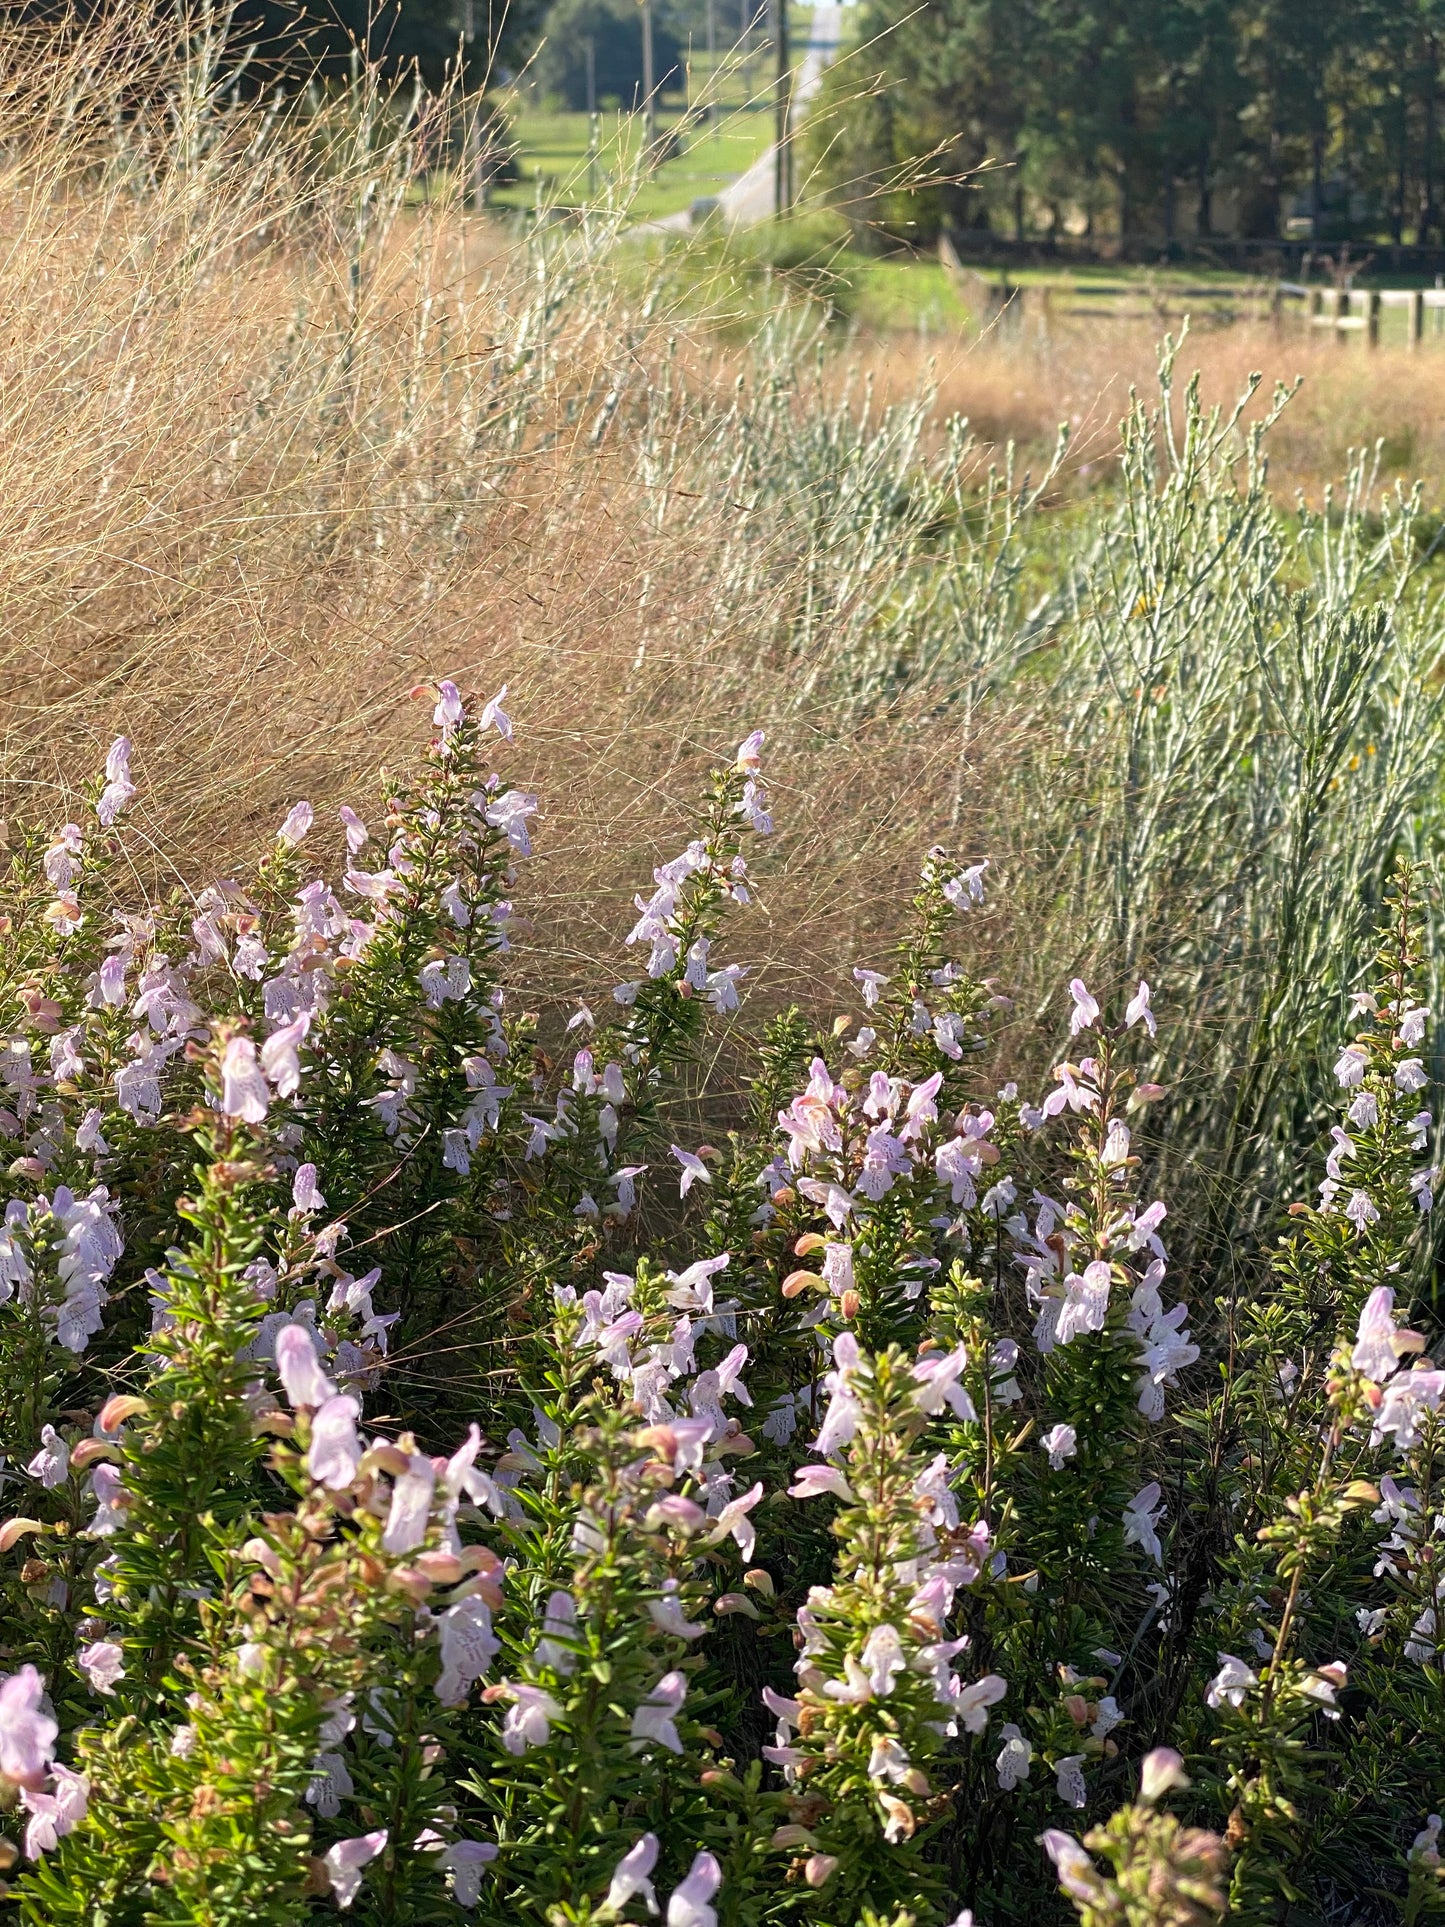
1249,703
1226,711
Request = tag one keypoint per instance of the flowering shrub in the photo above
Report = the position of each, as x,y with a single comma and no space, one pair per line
435,1489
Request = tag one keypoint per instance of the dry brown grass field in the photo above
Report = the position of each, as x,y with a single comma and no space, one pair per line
281,437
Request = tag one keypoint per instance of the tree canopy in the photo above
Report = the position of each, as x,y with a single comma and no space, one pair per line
1151,117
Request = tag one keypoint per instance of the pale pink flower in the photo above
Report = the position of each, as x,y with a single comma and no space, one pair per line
449,709
335,1450
119,789
688,1906
811,1481
294,830
528,1721
54,1814
279,1057
493,716
464,1860
1231,1682
102,1663
27,1733
656,1718
694,1171
243,1088
1141,1518
633,1875
346,1859
301,1375
1138,1010
1085,1013
1162,1771
411,1498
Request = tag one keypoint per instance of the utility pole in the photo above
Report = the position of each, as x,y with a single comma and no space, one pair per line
649,80
471,127
712,65
782,93
589,45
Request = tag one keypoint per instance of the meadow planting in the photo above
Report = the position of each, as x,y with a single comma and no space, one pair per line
718,1108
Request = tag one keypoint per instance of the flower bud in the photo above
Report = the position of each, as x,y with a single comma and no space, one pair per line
849,1304
1162,1770
799,1281
115,1411
819,1868
792,1836
760,1581
734,1602
15,1529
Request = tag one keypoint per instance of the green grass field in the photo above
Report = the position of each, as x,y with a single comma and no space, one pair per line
555,164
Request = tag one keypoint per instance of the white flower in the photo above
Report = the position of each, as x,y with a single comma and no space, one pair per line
694,1171
1013,1760
873,984
1141,1517
1374,1351
51,1464
1231,1682
119,789
656,1718
1068,1773
1351,1064
1061,1443
346,1859
1361,1210
468,1647
464,1860
331,1783
1410,1075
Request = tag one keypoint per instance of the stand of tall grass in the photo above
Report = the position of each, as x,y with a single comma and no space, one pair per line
286,429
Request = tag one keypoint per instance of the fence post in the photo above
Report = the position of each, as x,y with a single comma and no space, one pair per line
1415,319
1372,318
